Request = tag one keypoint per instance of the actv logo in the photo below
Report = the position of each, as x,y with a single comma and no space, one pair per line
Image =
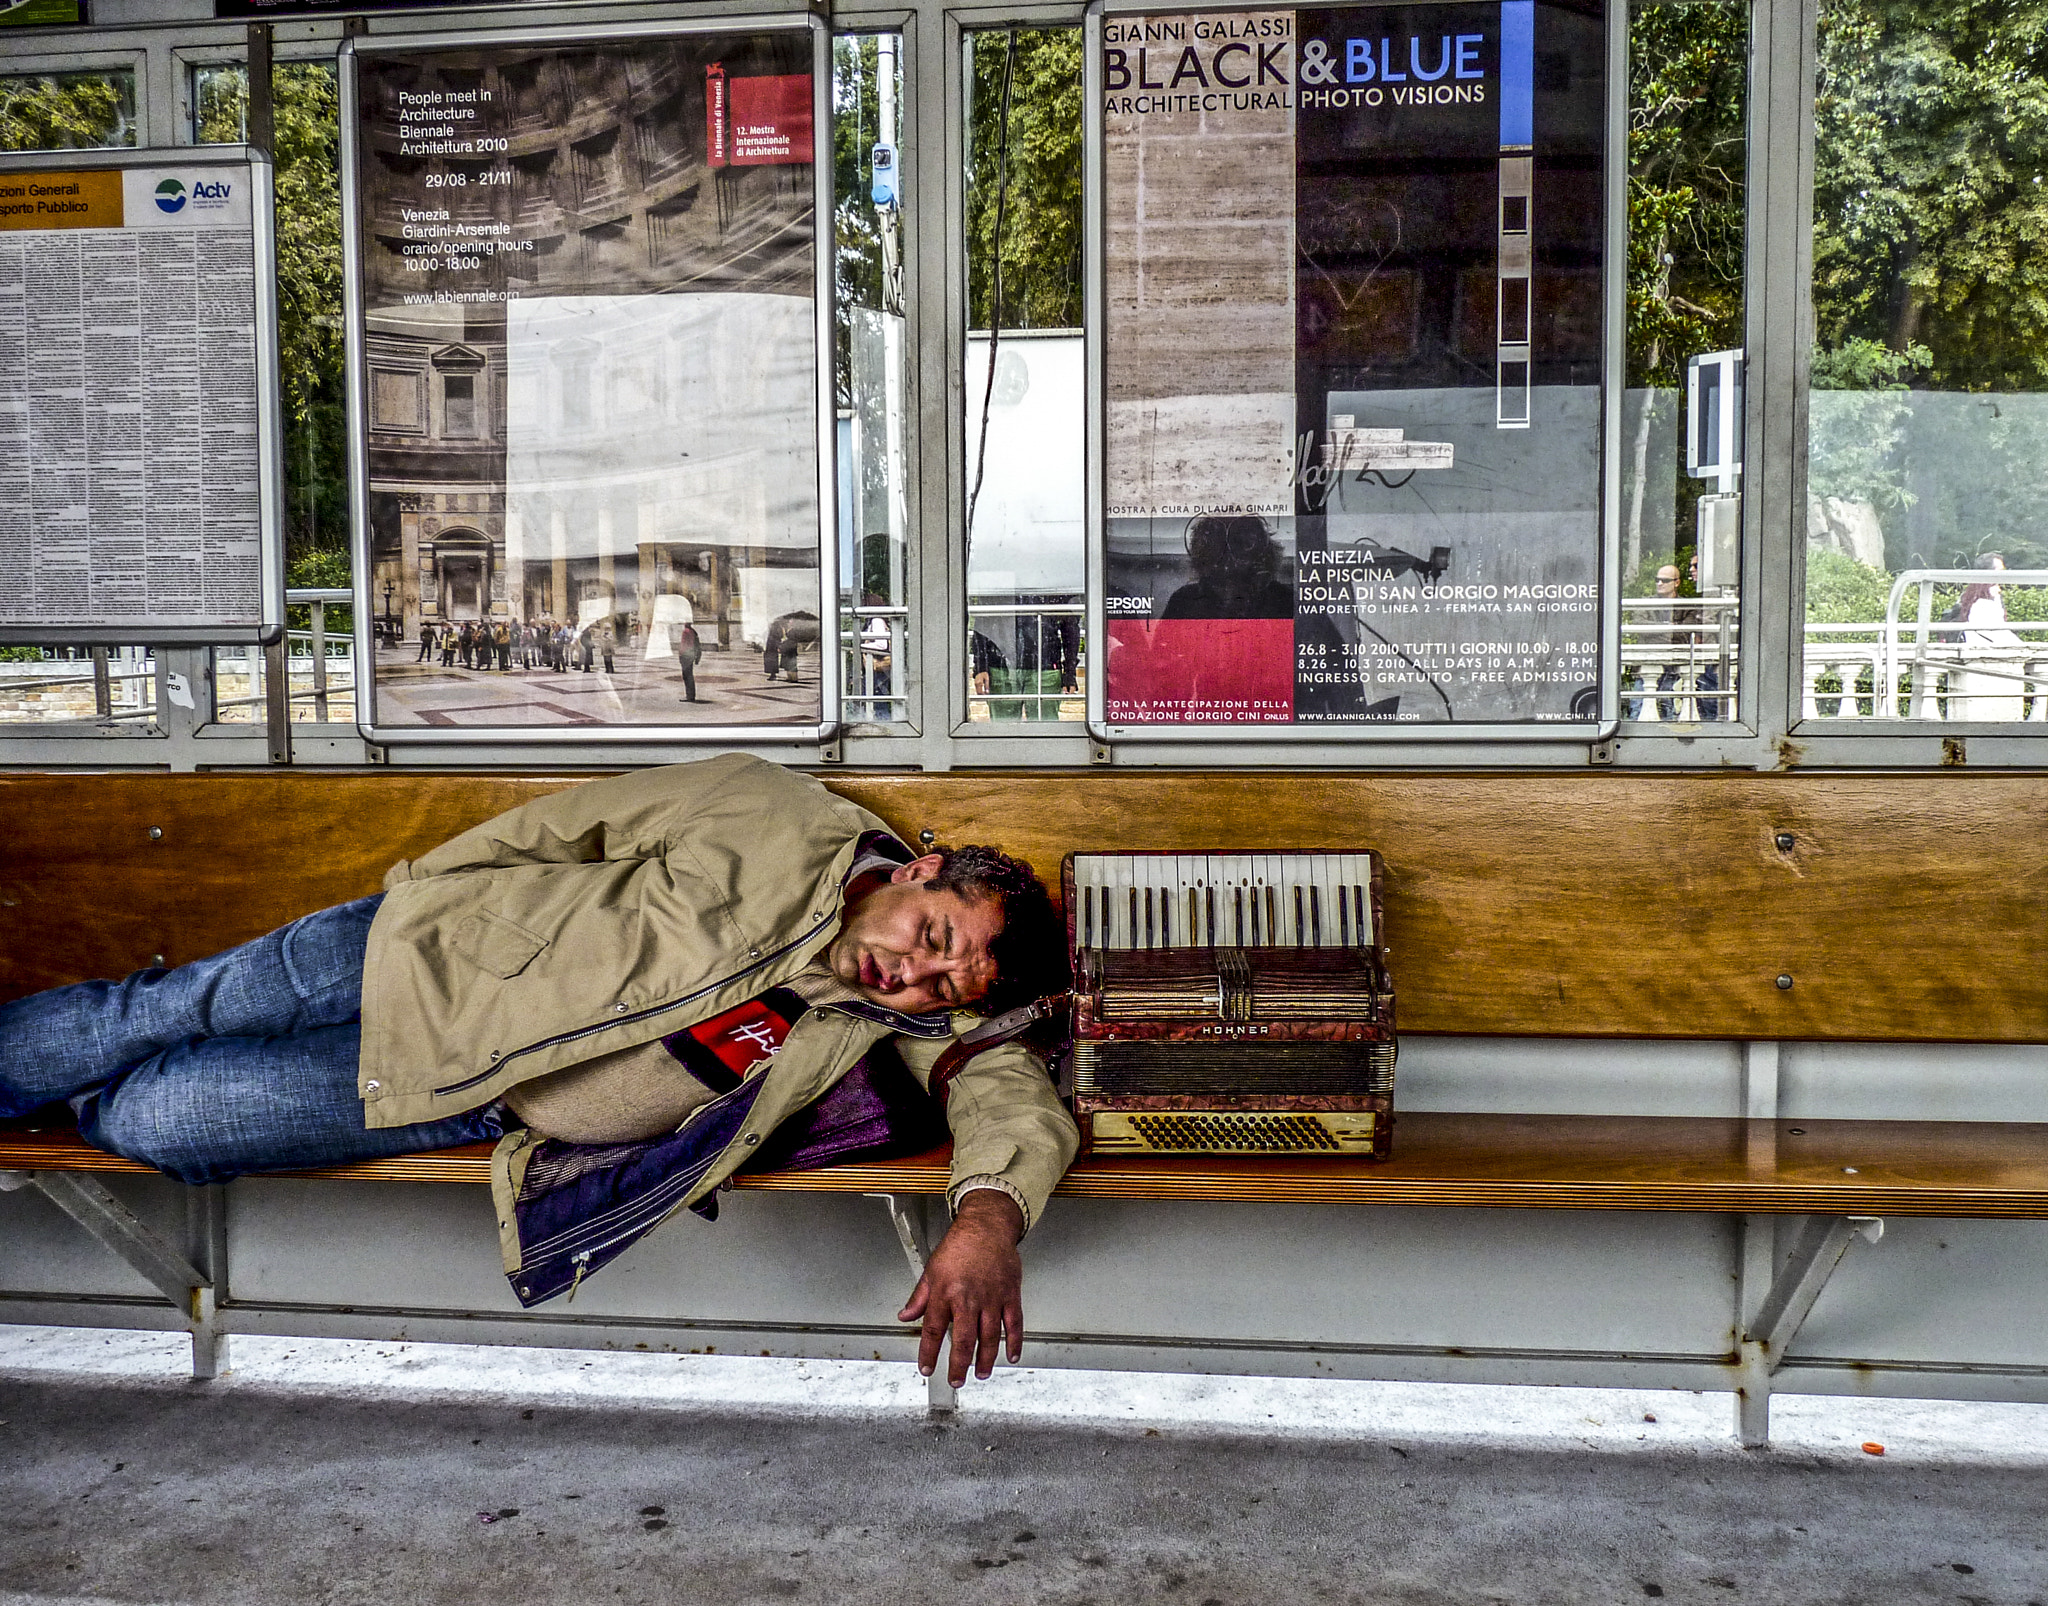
210,193
170,196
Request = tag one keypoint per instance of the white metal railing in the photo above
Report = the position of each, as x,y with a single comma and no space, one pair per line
871,645
1008,692
1678,664
321,679
1679,657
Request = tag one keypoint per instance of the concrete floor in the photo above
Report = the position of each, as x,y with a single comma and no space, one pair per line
330,1472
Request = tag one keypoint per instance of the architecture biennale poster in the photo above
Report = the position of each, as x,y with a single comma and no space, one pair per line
1353,352
588,383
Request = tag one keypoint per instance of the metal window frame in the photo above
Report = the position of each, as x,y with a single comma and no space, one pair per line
1767,733
512,33
1278,742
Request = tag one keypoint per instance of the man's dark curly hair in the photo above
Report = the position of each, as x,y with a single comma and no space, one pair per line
1031,950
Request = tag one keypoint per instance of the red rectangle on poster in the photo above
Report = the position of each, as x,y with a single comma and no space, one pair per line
1201,671
771,120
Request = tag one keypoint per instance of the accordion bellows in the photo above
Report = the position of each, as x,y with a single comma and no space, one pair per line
1230,1003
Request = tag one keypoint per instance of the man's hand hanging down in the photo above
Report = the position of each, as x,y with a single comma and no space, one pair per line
972,1287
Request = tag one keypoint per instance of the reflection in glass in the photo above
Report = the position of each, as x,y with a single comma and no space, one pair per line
1025,390
868,375
1927,440
1688,93
67,111
591,382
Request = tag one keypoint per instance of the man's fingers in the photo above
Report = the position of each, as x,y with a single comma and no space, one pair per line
960,1348
1013,1324
937,1318
989,1344
919,1297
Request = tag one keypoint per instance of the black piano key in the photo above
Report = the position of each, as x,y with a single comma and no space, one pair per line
1315,917
1300,921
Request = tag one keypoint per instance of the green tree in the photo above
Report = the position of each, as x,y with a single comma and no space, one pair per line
1687,95
863,259
1856,423
306,112
1930,221
67,111
1029,169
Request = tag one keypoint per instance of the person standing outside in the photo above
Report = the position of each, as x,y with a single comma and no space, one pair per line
689,653
426,642
607,644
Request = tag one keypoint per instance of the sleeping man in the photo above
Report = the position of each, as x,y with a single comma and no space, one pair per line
637,987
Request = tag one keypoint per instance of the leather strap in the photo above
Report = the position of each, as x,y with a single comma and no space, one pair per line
996,1029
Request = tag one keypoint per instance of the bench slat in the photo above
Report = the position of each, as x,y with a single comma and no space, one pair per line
1566,1162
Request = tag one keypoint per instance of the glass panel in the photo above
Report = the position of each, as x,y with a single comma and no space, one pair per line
67,111
73,685
1927,440
1023,519
1681,510
307,110
868,374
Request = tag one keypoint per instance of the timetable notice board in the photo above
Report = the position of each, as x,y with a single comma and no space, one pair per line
135,377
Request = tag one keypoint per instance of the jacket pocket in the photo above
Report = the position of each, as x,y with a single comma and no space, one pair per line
494,944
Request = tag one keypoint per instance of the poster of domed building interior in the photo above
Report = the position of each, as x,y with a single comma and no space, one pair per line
586,383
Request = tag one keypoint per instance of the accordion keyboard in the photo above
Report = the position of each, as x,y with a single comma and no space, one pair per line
1222,900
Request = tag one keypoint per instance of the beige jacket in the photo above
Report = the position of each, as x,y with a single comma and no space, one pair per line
622,910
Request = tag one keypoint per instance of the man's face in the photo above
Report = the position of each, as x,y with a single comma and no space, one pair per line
1667,581
904,945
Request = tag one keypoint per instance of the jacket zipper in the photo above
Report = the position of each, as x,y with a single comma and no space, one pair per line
627,1020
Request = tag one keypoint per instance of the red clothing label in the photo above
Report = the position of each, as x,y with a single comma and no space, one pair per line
724,1050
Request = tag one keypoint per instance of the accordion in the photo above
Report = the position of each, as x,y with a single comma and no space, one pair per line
1230,1003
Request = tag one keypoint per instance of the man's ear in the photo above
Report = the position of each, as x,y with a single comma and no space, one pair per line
918,869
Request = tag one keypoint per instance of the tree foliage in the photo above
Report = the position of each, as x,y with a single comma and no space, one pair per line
1687,73
67,111
306,146
1032,163
1930,221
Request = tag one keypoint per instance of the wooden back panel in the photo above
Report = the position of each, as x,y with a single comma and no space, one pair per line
1909,908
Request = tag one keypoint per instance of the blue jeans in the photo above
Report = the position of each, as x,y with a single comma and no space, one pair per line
242,1062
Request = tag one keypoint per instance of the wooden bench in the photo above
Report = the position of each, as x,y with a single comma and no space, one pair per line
1729,908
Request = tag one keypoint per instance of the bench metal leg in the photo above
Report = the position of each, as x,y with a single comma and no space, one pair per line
118,1229
1768,1336
207,1232
907,1213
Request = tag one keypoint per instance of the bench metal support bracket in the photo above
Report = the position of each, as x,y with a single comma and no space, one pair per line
907,1213
117,1228
1768,1336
